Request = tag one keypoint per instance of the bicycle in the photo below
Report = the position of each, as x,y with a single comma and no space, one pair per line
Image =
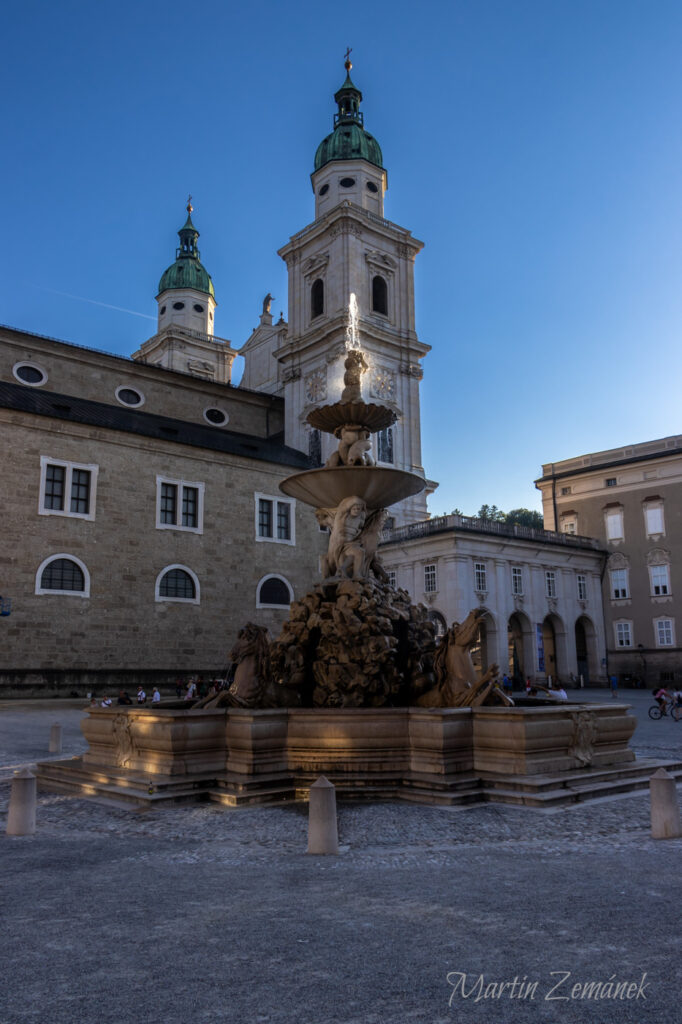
674,711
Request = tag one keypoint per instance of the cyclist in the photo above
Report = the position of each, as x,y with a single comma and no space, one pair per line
662,698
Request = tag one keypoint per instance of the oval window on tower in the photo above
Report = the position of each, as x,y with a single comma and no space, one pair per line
216,417
371,187
178,305
29,373
347,182
323,191
198,308
162,310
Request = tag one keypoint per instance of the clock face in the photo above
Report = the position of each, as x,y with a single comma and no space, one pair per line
383,384
316,386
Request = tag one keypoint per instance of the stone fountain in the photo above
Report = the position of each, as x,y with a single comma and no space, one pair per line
356,686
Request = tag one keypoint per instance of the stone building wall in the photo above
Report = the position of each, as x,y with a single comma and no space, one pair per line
121,631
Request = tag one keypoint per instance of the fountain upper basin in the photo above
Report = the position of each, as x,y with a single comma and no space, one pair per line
378,486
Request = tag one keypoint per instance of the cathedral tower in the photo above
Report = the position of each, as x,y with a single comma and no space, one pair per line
185,339
350,257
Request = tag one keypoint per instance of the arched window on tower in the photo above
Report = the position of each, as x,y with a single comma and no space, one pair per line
317,299
379,295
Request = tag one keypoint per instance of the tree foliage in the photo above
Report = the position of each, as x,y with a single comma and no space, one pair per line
517,516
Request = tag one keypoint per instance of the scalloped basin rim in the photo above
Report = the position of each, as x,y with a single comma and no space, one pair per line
378,486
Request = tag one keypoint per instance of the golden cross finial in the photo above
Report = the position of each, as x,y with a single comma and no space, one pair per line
189,204
347,62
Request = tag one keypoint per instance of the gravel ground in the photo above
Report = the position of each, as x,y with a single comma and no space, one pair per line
204,914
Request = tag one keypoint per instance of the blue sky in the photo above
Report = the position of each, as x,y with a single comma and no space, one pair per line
535,147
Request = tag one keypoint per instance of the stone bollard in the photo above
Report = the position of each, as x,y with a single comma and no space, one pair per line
55,746
323,835
665,810
21,817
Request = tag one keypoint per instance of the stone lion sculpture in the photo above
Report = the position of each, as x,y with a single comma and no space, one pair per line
456,682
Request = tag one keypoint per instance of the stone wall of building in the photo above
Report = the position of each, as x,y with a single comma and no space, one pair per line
121,628
96,376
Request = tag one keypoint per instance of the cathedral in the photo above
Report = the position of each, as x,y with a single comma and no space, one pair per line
144,522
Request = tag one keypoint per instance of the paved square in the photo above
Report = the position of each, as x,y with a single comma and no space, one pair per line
201,914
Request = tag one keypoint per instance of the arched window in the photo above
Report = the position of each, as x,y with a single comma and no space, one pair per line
177,583
317,298
274,592
63,574
315,447
385,445
379,295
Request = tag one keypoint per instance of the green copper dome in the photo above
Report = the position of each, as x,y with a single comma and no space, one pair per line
187,271
349,140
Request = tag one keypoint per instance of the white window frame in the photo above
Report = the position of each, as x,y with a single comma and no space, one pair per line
180,484
582,586
430,578
177,600
624,624
480,577
64,593
668,588
392,577
620,584
517,580
655,508
550,583
69,467
274,498
130,405
611,517
273,576
32,366
662,622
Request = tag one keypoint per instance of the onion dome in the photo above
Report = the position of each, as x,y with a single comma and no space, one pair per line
187,271
349,140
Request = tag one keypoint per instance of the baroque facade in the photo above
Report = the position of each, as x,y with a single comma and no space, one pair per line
540,591
630,499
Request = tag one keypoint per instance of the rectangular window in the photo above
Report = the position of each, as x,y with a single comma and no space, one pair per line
582,587
169,501
623,634
385,445
179,505
283,520
391,576
190,507
54,487
568,526
550,584
610,481
275,519
430,579
619,584
664,632
565,490
517,580
67,488
660,580
480,580
654,522
614,525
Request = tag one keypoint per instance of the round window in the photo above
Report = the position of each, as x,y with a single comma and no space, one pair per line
371,187
29,373
129,396
347,182
323,191
178,305
216,416
198,308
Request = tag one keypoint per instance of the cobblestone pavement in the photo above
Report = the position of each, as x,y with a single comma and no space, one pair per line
199,914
